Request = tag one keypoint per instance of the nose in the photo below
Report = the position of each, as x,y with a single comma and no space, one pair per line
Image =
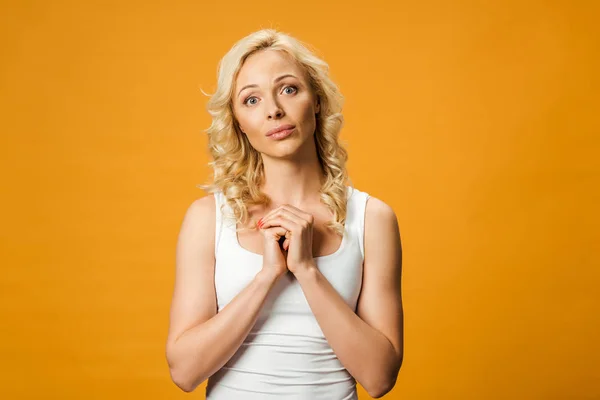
274,110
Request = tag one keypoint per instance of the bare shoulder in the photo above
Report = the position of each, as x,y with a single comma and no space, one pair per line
201,211
382,235
379,211
381,222
198,226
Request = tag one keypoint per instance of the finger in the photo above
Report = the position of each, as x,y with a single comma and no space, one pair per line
291,209
286,214
269,214
299,216
274,232
300,213
286,244
272,214
283,222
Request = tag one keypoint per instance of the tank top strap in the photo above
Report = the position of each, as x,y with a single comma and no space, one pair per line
355,216
225,233
219,201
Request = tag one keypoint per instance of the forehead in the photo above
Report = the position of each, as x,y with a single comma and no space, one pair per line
265,65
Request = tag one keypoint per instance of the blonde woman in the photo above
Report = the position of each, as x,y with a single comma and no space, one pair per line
287,279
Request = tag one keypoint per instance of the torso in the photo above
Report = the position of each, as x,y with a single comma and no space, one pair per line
325,240
286,354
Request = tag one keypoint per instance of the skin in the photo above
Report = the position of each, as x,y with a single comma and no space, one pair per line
369,343
270,102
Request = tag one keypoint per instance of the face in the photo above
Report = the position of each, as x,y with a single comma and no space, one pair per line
271,91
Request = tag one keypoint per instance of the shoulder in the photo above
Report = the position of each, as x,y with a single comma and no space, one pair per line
378,212
203,205
373,204
381,225
196,238
201,212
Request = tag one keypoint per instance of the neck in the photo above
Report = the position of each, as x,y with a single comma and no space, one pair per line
295,181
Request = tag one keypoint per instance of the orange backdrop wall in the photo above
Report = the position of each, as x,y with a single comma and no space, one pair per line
478,123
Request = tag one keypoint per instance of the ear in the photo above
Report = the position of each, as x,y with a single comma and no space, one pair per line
318,107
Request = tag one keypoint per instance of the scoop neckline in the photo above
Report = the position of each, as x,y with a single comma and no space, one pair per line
339,249
323,257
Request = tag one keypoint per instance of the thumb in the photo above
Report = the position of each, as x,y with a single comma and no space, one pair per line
274,233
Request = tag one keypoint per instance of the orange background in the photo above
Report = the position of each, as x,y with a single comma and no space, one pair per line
477,123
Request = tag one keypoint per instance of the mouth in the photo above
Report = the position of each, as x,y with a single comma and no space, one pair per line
280,135
280,130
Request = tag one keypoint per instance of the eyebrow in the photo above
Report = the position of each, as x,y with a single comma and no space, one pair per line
275,81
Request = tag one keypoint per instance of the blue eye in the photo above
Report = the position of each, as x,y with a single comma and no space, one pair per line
294,90
251,97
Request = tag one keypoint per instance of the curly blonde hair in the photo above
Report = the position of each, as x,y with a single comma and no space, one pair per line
238,168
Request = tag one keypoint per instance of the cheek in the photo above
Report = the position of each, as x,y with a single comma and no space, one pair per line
246,123
310,113
309,119
252,128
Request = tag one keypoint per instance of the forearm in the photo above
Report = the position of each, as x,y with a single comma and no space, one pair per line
365,352
201,351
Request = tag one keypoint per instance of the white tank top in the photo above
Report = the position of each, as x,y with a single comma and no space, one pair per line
286,355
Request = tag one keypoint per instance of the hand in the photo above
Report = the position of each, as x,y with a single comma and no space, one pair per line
273,256
299,241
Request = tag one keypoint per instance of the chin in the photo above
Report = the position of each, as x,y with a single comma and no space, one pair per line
286,152
290,147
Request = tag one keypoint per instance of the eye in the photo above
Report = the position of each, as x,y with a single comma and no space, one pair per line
294,88
248,99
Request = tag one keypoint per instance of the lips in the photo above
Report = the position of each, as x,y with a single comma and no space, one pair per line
279,129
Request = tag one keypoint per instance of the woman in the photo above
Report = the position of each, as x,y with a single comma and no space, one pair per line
287,280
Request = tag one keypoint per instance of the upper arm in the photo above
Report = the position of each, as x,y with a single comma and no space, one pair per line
380,301
194,298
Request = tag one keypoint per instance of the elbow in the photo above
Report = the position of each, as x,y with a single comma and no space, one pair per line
180,375
182,381
381,389
384,383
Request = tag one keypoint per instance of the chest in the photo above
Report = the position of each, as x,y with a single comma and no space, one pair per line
325,240
236,267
